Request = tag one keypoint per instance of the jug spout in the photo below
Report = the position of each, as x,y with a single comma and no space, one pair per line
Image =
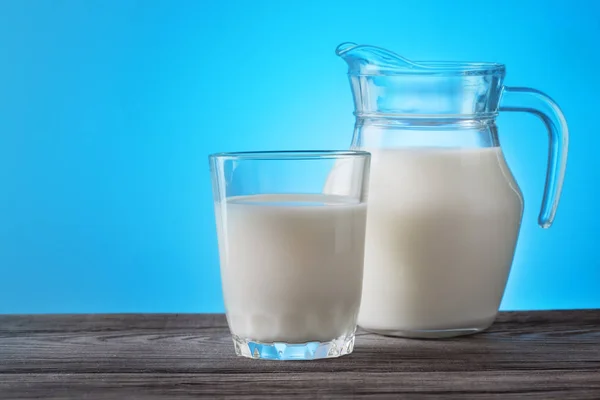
366,59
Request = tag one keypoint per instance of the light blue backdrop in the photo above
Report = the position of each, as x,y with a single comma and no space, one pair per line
108,110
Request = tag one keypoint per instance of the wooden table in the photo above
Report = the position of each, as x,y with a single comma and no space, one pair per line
541,355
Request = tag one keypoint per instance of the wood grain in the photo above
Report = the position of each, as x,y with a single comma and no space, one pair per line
524,355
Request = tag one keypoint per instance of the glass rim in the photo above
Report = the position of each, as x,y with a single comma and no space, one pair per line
289,154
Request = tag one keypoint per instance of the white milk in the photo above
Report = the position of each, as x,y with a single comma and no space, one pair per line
442,227
291,265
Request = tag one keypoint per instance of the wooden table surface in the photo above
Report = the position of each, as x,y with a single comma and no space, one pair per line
541,355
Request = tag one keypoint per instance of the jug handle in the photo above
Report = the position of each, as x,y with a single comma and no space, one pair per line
535,102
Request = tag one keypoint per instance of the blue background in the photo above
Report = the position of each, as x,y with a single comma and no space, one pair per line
108,110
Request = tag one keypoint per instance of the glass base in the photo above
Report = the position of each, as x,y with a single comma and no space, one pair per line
338,347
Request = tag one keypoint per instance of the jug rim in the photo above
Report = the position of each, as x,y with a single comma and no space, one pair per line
413,67
463,66
441,68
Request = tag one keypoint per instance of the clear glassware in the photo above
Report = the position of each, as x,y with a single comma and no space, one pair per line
444,209
291,255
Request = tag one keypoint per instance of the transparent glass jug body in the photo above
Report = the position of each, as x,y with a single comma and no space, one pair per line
444,208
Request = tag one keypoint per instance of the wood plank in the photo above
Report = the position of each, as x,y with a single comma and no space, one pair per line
429,385
554,354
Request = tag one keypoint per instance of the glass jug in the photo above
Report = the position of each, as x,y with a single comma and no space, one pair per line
444,210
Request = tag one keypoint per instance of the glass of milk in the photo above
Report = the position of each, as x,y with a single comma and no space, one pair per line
291,254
